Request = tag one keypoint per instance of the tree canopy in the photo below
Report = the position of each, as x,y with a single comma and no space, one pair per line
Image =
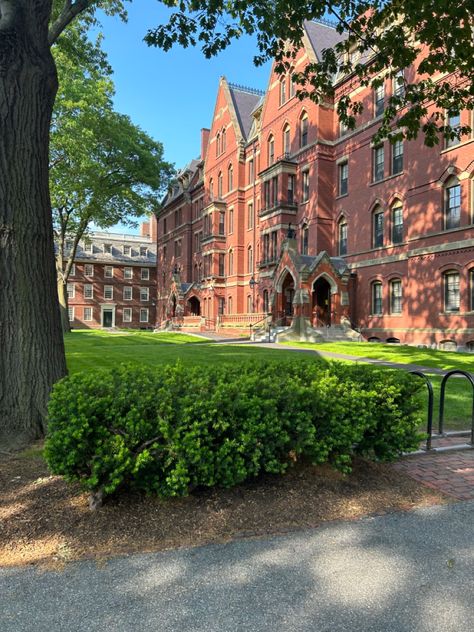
381,38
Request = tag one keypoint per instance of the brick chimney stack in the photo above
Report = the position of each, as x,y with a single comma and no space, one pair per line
204,141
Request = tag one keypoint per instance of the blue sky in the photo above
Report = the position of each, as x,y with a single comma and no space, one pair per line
171,95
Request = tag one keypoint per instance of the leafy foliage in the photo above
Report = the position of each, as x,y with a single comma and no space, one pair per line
380,38
170,431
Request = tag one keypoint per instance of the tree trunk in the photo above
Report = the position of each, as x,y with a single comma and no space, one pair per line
31,342
63,305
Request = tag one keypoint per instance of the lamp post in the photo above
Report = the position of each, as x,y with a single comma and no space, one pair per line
253,283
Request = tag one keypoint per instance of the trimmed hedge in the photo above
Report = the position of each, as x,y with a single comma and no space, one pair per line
170,430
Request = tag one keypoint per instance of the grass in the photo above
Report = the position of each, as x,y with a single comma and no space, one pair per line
87,350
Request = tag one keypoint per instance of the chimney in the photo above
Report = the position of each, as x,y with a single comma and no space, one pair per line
145,229
153,228
204,141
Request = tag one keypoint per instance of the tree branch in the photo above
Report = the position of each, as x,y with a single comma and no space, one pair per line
70,11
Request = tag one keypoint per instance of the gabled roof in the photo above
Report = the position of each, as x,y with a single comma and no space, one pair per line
245,100
322,35
176,187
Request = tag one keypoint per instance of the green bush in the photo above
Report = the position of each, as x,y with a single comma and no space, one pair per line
171,430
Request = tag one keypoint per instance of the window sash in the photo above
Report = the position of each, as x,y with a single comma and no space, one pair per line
396,297
108,292
451,292
127,293
378,229
127,315
88,290
343,239
145,274
379,160
453,206
379,100
397,225
343,178
144,315
397,157
377,298
87,314
88,269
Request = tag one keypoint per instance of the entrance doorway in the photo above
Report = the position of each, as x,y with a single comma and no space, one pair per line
288,293
173,306
194,306
322,303
107,318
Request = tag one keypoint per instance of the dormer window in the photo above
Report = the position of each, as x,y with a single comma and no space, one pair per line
143,251
127,250
88,247
107,249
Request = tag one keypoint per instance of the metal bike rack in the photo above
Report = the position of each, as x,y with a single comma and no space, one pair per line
442,400
429,424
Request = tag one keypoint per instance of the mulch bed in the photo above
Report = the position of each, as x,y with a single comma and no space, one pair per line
45,521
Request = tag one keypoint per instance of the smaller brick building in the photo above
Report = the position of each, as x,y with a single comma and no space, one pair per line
113,281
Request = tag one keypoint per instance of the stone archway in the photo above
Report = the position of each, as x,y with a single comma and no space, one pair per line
194,306
321,302
287,295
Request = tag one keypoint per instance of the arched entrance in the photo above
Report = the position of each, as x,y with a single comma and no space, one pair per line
287,293
321,302
194,306
173,306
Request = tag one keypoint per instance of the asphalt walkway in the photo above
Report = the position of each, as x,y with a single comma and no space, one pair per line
402,572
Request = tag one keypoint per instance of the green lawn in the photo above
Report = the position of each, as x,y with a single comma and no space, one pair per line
87,350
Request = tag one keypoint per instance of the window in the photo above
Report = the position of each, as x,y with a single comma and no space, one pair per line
378,163
283,91
250,215
224,141
399,84
108,272
471,288
397,224
221,223
143,251
454,121
107,248
379,100
230,178
88,290
219,185
249,259
396,296
211,188
221,305
291,189
271,150
251,171
229,305
73,270
378,229
249,304
343,176
453,204
397,157
144,315
71,290
144,294
304,239
70,313
266,302
177,248
221,264
88,270
273,245
108,292
305,186
342,241
376,298
127,293
343,129
451,292
128,273
304,130
274,191
145,274
231,220
127,250
127,315
165,227
88,247
286,140
231,262
87,314
292,88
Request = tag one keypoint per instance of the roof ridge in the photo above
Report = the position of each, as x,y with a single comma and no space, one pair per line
240,88
325,22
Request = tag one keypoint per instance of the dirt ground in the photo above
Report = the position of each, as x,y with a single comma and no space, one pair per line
45,521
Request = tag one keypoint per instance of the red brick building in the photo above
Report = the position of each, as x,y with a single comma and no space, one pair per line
113,281
381,237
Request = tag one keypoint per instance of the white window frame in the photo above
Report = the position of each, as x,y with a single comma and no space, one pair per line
73,270
70,314
71,290
89,247
145,249
111,288
125,288
91,287
144,291
89,266
127,250
88,310
128,273
127,311
144,310
145,274
107,249
108,269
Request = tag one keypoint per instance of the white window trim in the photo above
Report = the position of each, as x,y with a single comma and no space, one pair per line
147,291
73,286
131,293
88,320
127,310
71,314
91,265
92,291
108,276
125,273
108,298
147,277
144,309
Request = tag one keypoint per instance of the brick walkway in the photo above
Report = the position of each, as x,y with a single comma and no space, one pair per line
449,472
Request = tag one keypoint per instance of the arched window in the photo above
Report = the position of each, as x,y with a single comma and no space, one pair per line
342,237
378,227
452,204
282,90
376,298
218,144
231,262
292,84
230,178
286,140
229,305
303,130
397,223
271,150
396,300
211,188
393,341
249,259
224,141
206,225
266,302
304,239
219,185
448,345
249,304
471,289
451,291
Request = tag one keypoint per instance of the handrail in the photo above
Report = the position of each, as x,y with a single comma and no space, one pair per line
429,425
262,320
442,398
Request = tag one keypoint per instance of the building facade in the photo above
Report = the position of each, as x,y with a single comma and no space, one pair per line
286,212
113,281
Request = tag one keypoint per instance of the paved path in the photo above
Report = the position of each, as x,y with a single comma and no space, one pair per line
403,572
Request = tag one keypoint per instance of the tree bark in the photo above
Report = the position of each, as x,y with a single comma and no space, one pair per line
63,305
31,343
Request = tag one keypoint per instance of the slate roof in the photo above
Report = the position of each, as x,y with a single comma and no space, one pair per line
322,36
117,241
245,101
176,188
